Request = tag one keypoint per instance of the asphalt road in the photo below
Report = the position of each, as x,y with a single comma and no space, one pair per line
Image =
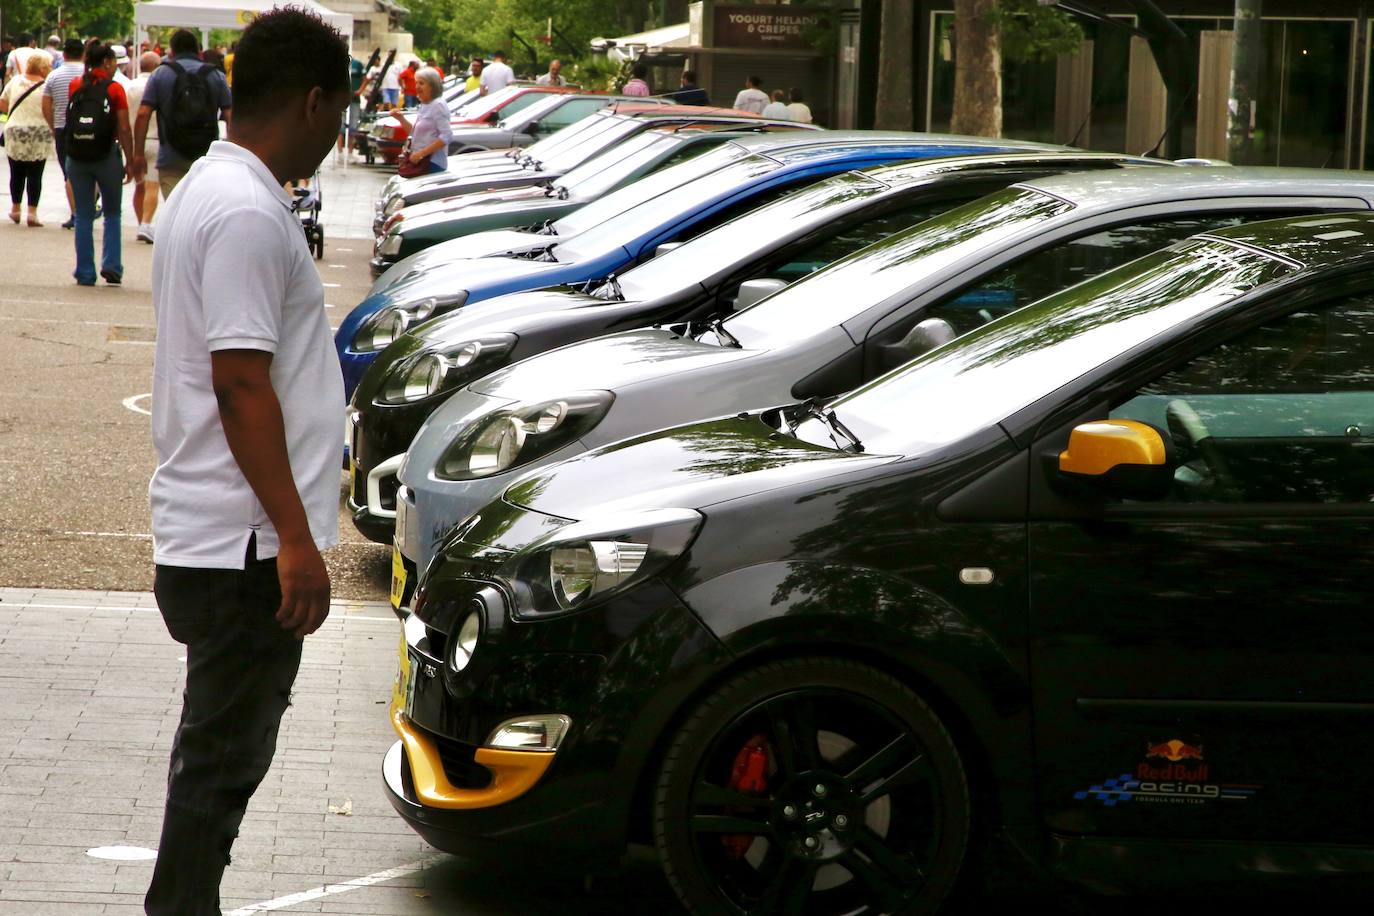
75,447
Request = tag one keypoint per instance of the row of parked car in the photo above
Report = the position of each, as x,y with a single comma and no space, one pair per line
827,507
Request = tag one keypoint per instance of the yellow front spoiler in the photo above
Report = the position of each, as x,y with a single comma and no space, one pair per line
513,773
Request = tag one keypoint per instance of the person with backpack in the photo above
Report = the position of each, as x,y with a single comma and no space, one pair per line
188,97
97,129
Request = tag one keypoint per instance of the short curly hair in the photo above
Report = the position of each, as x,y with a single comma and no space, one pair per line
287,51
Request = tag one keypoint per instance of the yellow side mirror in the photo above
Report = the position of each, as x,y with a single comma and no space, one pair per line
1125,458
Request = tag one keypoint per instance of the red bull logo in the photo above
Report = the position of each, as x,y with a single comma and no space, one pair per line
1174,751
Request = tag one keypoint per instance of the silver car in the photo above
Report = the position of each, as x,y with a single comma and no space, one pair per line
830,331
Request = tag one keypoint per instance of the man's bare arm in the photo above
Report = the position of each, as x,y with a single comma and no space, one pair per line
47,112
252,420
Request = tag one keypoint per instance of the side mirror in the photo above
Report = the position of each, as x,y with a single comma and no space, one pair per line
492,118
1122,458
665,248
751,291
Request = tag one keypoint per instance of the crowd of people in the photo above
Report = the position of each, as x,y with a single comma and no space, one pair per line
107,125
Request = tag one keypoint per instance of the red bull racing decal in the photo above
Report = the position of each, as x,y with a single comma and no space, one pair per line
1173,772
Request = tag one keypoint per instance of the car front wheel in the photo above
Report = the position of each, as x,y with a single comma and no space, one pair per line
813,785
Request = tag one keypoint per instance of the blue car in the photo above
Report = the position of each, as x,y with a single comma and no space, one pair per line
627,226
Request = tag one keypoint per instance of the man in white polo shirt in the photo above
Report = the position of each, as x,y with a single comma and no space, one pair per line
496,75
247,407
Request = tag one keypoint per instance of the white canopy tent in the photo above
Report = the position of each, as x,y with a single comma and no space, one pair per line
219,14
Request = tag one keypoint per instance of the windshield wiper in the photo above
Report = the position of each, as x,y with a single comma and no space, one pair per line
725,337
812,408
547,228
611,288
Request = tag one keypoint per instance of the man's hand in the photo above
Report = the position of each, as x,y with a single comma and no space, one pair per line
304,588
139,167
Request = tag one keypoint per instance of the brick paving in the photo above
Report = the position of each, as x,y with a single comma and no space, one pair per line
91,685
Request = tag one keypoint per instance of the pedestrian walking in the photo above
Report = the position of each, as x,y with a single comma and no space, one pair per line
474,80
752,97
145,187
188,97
431,132
554,76
797,109
18,60
244,359
391,87
689,93
430,63
408,90
27,137
496,75
97,130
348,132
637,84
54,52
777,108
55,110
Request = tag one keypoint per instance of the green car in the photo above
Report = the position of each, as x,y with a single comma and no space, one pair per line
417,228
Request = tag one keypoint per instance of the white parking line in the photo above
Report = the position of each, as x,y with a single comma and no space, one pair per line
328,890
132,403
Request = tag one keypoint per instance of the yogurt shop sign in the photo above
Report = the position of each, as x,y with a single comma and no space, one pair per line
779,27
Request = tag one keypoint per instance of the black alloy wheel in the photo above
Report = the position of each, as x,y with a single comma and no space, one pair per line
812,786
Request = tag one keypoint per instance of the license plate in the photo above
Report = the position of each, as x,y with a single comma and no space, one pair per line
398,578
403,689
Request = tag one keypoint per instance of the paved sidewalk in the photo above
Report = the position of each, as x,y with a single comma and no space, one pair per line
92,683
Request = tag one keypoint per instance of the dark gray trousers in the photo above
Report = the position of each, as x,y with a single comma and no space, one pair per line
240,666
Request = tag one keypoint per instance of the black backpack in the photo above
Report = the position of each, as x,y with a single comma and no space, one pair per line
90,121
191,122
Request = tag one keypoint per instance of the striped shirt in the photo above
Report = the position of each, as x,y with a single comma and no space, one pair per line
58,88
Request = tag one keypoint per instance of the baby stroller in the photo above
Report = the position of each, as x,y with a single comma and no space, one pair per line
306,205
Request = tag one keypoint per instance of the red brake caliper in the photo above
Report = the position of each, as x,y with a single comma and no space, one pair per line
750,776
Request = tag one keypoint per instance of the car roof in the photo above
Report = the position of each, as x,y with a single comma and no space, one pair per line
1325,240
646,109
1134,187
778,146
903,173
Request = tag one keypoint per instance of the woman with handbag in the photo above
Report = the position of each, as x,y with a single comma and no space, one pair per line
26,137
431,132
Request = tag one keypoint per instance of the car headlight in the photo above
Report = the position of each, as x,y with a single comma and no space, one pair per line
465,642
391,245
394,206
521,434
581,563
430,372
385,325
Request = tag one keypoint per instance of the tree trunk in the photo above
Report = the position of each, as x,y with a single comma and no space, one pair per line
1245,67
893,108
977,70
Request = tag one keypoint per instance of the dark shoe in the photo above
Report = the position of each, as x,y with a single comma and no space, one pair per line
70,224
85,283
111,277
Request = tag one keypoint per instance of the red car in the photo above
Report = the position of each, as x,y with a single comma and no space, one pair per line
389,135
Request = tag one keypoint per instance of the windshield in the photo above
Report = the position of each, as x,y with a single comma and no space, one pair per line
457,97
484,105
740,237
645,204
593,178
574,133
828,297
992,372
530,112
587,142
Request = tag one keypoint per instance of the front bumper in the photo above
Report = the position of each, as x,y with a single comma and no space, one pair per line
618,672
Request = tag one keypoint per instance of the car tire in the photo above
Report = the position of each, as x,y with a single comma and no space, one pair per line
871,814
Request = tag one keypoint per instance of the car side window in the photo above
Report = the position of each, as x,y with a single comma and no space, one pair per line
1283,413
520,103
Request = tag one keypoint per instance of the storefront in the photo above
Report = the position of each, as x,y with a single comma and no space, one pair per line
1312,100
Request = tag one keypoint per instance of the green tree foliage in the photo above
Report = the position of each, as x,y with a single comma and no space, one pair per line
111,19
1031,32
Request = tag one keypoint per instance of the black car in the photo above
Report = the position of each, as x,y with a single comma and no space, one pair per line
1090,581
781,241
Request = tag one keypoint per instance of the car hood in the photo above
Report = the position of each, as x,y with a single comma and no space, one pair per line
476,199
505,313
686,467
481,135
438,258
484,203
476,181
606,363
